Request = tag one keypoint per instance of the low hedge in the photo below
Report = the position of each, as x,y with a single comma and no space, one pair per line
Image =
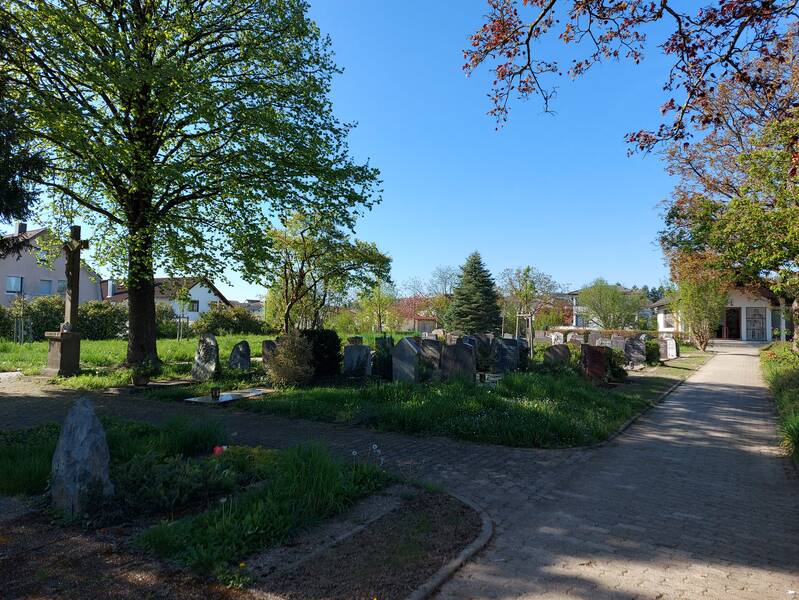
223,319
780,366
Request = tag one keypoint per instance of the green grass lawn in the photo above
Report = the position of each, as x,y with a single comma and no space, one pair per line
781,370
104,355
535,409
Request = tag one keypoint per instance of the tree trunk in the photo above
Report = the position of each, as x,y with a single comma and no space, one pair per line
142,349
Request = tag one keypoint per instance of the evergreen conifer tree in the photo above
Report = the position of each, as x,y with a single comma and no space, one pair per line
475,306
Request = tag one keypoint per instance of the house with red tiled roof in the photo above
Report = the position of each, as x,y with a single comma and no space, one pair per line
202,294
415,314
27,275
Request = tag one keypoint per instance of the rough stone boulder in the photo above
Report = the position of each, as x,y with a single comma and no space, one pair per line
80,463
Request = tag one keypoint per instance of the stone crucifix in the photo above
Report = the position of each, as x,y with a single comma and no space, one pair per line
72,248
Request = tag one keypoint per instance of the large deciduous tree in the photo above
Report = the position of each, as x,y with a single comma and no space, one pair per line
706,44
475,302
313,259
178,129
610,306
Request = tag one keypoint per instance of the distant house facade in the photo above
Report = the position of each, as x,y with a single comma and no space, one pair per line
750,316
26,277
414,316
202,294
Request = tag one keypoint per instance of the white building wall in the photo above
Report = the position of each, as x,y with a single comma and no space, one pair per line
204,297
33,274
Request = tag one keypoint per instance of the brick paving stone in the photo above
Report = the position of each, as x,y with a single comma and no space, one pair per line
693,501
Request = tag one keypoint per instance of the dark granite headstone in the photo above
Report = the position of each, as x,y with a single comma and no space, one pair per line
240,356
594,362
635,351
268,350
382,362
357,360
504,355
406,360
557,355
206,359
458,360
524,353
431,353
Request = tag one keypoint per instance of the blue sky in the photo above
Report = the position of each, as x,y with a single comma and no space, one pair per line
556,192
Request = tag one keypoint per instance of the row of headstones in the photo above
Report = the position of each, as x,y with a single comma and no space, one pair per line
207,363
634,348
417,358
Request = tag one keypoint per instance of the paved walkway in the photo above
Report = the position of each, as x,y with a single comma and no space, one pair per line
692,501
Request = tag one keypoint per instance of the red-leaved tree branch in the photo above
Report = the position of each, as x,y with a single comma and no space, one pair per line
709,46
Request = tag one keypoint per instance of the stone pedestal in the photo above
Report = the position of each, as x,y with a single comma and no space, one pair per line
63,354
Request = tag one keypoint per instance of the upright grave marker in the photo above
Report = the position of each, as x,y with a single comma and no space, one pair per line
63,353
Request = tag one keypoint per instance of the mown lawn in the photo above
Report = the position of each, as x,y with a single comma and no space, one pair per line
781,370
98,355
535,409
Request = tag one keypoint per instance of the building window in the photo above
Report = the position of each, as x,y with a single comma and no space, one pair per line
194,306
62,286
13,284
668,320
45,287
579,321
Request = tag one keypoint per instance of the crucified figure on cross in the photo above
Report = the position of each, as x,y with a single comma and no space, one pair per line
72,248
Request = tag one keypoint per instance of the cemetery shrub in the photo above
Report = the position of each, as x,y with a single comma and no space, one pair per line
325,351
221,320
6,323
616,370
98,320
165,320
652,352
41,313
382,366
292,364
780,367
308,484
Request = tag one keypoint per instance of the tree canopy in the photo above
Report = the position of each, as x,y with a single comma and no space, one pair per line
706,45
475,306
610,306
178,131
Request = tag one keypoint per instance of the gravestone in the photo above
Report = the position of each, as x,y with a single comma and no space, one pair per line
268,350
605,342
406,359
63,346
539,333
439,334
206,359
594,362
574,336
668,348
355,340
504,355
382,360
593,337
557,355
557,337
240,356
644,337
524,353
635,351
453,338
458,360
357,360
618,342
80,463
542,341
431,353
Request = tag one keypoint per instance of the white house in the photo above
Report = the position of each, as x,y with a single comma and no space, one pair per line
26,277
750,316
201,294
